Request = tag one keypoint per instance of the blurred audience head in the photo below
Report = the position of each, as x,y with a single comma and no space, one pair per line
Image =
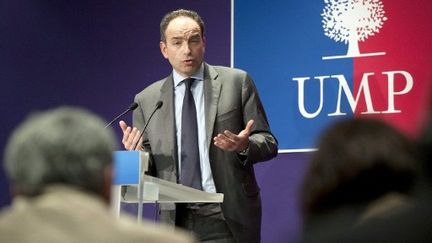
62,146
357,161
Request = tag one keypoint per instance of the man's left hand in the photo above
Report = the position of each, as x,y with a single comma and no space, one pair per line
234,142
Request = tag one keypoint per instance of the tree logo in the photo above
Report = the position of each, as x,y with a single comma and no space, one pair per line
351,21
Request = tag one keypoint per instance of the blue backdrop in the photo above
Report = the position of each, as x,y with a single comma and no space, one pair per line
278,41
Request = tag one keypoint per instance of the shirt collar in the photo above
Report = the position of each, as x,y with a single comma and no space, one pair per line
199,75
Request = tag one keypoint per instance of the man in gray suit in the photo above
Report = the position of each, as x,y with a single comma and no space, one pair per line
233,134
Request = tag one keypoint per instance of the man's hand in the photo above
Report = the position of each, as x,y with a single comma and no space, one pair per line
130,136
232,142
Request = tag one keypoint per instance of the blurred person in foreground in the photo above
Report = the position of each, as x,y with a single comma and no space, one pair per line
364,170
411,224
61,179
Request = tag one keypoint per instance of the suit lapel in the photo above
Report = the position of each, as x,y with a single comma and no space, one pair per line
167,114
212,89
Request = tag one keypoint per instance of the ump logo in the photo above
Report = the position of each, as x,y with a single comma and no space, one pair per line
351,21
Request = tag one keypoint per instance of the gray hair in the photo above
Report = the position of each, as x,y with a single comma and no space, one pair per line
62,146
180,13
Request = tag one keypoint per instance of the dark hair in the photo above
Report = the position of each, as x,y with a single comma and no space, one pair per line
179,13
358,160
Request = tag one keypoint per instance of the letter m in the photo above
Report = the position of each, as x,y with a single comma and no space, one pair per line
363,88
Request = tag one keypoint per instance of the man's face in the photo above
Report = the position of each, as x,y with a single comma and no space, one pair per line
184,46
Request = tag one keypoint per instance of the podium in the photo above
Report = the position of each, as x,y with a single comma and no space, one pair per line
129,170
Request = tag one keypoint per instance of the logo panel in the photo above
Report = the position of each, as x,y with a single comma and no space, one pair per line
316,62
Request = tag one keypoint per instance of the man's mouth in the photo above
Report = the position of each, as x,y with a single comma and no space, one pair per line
188,62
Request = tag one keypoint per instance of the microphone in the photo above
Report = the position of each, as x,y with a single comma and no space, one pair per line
132,107
157,107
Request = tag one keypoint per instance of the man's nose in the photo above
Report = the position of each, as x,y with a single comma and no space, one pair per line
186,48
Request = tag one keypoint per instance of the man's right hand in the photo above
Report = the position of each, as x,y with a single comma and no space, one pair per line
130,136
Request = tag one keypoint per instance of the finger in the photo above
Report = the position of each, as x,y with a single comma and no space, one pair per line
248,127
133,137
218,140
123,126
128,138
139,145
126,134
135,140
221,145
226,139
231,136
223,142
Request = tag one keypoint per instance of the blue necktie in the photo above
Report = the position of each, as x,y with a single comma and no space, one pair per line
190,161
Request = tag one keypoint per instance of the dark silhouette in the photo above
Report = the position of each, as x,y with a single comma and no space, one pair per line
364,169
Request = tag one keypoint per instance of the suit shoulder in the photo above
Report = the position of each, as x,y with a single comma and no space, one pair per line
149,95
230,71
152,88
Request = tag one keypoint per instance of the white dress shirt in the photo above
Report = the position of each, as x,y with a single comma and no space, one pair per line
197,88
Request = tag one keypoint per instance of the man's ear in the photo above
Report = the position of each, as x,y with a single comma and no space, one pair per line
163,48
204,41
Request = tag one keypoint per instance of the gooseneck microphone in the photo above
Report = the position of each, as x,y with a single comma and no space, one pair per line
157,107
132,107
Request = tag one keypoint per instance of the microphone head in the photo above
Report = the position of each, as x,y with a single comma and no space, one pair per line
133,106
159,104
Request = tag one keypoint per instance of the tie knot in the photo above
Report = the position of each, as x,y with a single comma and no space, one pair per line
188,82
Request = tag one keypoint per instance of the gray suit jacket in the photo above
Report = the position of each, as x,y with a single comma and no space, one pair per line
231,100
